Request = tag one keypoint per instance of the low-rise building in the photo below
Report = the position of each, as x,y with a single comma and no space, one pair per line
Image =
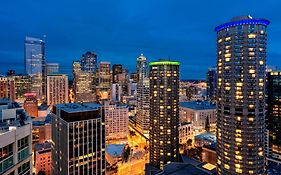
185,132
197,112
205,138
43,158
114,153
209,153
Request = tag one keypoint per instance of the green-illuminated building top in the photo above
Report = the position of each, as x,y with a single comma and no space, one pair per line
157,63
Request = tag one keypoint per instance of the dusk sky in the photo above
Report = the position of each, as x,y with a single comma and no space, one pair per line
120,30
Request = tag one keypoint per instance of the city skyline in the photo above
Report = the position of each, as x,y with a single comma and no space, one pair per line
178,31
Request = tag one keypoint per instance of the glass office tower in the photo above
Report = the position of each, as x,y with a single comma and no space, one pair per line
241,65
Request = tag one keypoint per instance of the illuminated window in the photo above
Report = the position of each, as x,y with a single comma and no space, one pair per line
226,166
252,35
228,38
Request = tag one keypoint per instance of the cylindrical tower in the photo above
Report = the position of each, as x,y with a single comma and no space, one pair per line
241,63
164,112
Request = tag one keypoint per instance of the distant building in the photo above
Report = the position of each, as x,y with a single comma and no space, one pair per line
69,122
132,88
34,63
22,85
89,62
114,153
11,72
197,113
41,131
116,92
84,85
274,116
185,132
164,113
52,68
116,70
104,79
31,104
57,89
211,80
134,76
143,95
116,121
43,158
7,88
15,143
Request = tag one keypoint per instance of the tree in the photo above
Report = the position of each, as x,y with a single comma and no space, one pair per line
207,124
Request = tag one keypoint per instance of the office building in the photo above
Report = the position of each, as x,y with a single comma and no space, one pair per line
134,76
57,89
84,85
198,112
104,80
78,139
241,67
116,92
274,116
52,68
164,113
89,62
211,81
116,70
15,143
43,158
22,86
143,96
116,120
34,64
31,105
41,131
7,88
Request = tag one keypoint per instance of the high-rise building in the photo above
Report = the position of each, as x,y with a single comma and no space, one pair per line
52,68
116,69
104,80
78,139
89,62
15,140
22,85
57,89
241,60
274,116
34,63
31,105
116,120
84,85
134,76
143,107
116,92
7,88
164,113
211,80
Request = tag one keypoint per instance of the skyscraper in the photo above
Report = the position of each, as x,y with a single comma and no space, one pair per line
52,68
116,69
274,116
34,64
57,89
78,139
241,58
211,80
143,107
164,113
84,84
89,62
104,80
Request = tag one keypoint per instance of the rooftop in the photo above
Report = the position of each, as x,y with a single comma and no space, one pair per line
42,146
198,105
207,136
115,150
157,63
78,107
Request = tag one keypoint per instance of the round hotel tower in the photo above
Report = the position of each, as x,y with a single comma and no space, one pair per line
241,64
164,113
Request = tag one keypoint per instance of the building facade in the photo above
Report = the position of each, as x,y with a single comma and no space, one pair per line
43,158
241,65
52,68
78,139
57,89
104,80
211,81
185,132
273,116
116,121
143,101
89,62
31,105
116,70
164,113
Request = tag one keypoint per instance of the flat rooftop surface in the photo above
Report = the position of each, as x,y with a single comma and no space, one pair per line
198,105
206,136
78,107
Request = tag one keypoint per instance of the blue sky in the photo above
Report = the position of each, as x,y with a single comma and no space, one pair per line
120,30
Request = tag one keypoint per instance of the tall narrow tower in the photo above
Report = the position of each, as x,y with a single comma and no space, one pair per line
241,60
164,112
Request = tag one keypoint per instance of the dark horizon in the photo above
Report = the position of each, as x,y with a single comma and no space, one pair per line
120,31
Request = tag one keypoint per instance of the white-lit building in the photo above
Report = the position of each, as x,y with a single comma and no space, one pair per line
57,89
185,132
116,120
